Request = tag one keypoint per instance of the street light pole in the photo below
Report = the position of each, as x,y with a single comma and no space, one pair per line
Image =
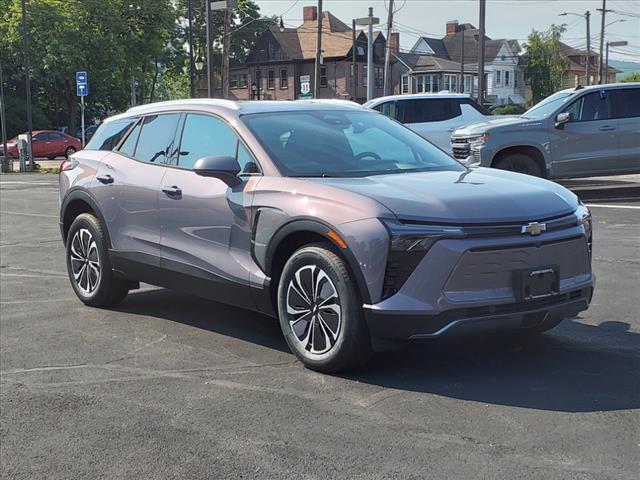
602,10
370,21
587,16
27,76
316,80
622,43
192,86
209,51
481,85
387,52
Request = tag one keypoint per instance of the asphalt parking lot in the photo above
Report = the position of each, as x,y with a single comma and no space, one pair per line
171,386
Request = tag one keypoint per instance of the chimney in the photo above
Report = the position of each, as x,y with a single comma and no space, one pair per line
394,42
310,14
452,27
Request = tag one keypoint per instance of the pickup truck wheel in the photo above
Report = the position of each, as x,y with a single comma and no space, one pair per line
520,163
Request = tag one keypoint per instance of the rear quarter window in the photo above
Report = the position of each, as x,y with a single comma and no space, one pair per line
109,134
428,110
625,103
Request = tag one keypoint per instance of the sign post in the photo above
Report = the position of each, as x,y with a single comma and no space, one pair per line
369,21
82,90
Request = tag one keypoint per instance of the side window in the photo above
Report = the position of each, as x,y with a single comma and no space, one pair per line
55,136
156,138
42,137
388,109
109,134
625,103
129,146
590,107
205,136
419,111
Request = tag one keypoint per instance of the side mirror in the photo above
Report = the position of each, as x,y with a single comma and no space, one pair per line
563,118
223,168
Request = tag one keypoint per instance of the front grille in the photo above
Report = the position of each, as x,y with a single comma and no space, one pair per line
460,147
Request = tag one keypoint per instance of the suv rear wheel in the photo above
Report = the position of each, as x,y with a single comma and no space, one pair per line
520,163
88,264
320,312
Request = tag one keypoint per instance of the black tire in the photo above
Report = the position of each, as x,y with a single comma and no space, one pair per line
69,151
520,163
351,344
86,245
51,158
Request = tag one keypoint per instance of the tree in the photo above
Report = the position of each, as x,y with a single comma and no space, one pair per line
630,77
545,67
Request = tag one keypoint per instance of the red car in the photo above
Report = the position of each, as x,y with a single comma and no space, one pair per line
47,144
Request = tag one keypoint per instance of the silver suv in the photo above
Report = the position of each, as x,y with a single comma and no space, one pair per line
579,132
344,224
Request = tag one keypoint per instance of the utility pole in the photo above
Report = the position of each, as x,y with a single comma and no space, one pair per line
602,10
481,85
354,64
370,21
192,72
587,16
225,52
3,120
387,53
461,86
209,51
316,79
27,76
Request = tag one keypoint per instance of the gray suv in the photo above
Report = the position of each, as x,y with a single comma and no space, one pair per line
344,224
580,132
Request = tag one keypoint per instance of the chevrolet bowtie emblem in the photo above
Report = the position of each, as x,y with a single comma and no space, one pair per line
533,228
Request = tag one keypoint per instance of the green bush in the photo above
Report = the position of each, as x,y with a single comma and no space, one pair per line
511,109
17,116
630,77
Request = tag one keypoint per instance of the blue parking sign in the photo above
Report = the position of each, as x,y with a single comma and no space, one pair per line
82,89
81,77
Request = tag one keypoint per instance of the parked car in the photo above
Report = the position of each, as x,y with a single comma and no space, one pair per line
88,132
344,224
578,132
432,115
47,144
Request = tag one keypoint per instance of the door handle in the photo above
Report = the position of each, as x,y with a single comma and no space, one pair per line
172,191
607,128
106,179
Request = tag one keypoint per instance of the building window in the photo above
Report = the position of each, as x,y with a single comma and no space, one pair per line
498,78
515,79
427,84
352,75
233,81
507,78
468,83
238,80
323,76
364,75
404,86
451,82
284,79
379,72
271,79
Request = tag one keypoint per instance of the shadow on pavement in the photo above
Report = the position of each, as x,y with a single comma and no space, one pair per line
574,368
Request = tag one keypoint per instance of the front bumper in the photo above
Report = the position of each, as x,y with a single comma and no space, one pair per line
495,318
468,285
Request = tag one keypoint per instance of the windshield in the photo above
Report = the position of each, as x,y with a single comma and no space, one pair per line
547,106
344,144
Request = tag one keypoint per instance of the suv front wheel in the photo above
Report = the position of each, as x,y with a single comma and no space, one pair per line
320,311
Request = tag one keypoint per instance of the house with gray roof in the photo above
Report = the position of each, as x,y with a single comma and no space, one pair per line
434,65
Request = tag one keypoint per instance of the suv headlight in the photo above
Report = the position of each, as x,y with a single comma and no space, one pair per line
408,244
584,219
479,139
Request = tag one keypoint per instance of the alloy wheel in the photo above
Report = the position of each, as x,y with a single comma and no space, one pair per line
85,261
313,309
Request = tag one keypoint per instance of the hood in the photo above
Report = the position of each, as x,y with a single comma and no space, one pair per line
475,196
493,124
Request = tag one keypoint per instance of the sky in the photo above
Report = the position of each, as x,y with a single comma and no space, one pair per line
505,18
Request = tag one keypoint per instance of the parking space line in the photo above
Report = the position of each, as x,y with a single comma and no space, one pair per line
29,214
602,205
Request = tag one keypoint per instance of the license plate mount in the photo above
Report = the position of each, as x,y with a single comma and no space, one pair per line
537,283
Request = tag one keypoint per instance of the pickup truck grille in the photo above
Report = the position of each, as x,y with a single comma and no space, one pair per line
460,147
